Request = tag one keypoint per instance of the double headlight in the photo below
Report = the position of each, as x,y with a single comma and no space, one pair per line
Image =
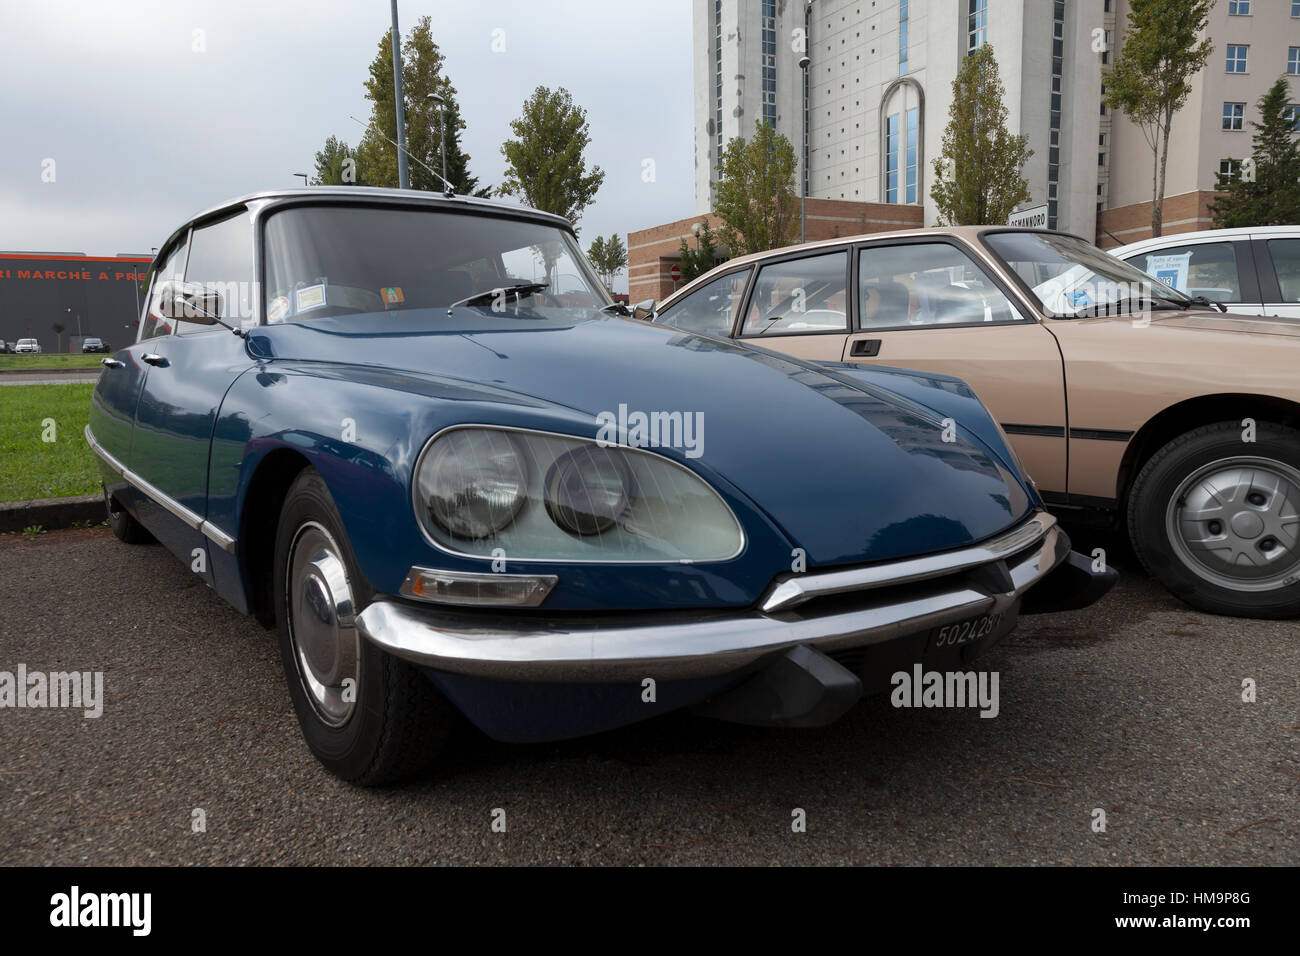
534,496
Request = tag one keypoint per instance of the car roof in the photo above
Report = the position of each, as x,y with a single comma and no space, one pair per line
365,195
968,233
1176,238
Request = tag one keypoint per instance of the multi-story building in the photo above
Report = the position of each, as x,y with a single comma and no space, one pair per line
879,81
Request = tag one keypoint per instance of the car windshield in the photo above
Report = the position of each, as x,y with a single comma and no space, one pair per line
1072,278
330,260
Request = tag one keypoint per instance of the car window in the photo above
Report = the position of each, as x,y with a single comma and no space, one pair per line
1286,263
1203,268
710,309
221,260
326,261
165,279
926,284
800,295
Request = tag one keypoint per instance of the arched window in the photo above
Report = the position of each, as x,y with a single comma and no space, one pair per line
902,141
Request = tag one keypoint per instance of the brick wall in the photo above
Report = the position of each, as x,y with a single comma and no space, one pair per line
1189,212
652,252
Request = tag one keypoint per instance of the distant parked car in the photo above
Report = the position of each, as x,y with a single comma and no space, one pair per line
1151,408
94,345
5,347
407,461
1252,271
27,345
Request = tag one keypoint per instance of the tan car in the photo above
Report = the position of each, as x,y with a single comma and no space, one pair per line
1120,395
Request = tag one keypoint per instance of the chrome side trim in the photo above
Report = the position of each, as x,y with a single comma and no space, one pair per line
633,646
800,588
209,530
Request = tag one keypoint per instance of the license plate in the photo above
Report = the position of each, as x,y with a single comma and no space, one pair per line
966,632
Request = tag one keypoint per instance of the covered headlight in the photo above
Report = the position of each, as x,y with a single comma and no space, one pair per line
535,496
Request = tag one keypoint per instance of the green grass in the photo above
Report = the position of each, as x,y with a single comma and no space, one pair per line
51,360
33,468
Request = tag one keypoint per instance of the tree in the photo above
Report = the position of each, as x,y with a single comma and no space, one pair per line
336,164
57,328
422,74
754,196
609,257
545,164
695,262
977,177
1151,78
1269,193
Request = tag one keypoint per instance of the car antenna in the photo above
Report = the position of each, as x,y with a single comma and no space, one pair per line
449,192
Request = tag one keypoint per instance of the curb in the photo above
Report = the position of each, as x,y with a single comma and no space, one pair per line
51,513
84,370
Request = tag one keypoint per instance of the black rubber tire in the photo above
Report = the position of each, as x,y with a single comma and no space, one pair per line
400,721
125,527
1156,484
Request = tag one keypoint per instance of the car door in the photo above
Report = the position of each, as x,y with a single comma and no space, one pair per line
928,304
1219,269
1278,259
190,372
117,393
799,303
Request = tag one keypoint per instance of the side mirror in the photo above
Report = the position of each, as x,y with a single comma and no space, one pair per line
191,302
644,310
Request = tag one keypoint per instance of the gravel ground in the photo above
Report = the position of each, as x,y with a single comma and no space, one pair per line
1132,707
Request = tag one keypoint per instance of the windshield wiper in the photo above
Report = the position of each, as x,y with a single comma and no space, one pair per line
1122,307
1202,300
518,291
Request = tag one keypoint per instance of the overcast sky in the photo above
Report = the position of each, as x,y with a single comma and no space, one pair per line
143,130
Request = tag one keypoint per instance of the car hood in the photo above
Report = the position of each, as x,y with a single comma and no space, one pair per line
849,471
1229,322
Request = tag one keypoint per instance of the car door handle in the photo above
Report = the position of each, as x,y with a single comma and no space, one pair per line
153,358
111,363
865,348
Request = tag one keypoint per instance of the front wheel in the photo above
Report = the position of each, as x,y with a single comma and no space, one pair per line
1216,519
369,717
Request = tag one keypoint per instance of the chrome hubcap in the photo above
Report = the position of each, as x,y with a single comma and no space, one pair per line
322,624
1236,523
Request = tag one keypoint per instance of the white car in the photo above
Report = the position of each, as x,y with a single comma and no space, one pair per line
1253,271
27,345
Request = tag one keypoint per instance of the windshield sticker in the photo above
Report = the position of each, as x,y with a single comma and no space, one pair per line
392,295
309,297
278,309
1080,298
1171,270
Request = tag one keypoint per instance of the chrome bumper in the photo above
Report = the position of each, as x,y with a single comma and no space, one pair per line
870,605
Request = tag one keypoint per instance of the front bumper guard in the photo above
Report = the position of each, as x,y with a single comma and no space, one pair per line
828,611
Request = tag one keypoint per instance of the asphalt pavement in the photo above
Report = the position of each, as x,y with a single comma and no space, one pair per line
1132,708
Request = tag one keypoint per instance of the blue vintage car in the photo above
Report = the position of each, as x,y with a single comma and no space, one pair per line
415,435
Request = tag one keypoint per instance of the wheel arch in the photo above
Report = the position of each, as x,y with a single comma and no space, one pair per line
1194,413
267,490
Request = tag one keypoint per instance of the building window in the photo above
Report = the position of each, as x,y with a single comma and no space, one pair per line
977,25
902,37
1293,61
769,62
717,72
1292,113
891,159
1238,8
1227,169
1233,114
1236,58
913,162
1054,153
1295,9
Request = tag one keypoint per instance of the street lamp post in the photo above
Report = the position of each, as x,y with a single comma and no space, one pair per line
304,177
804,62
442,129
403,174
